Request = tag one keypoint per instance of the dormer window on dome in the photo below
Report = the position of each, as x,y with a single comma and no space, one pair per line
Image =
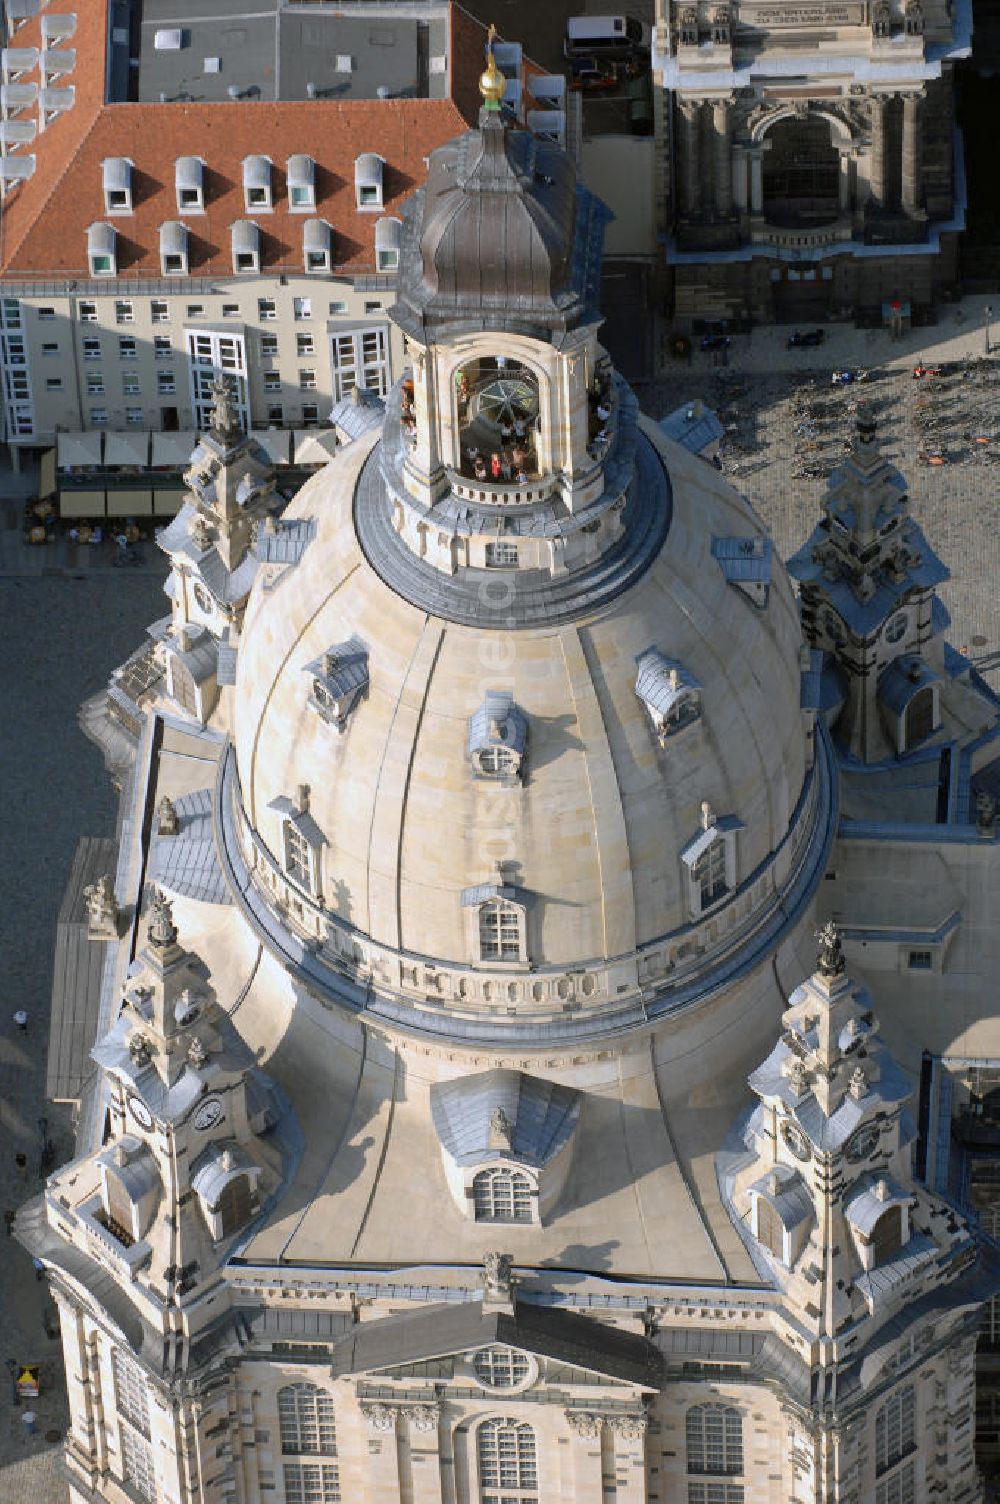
301,181
339,679
257,189
246,246
174,249
116,173
746,565
189,184
368,180
317,246
102,255
498,734
781,1213
496,923
302,843
878,1214
671,695
388,235
710,862
130,1189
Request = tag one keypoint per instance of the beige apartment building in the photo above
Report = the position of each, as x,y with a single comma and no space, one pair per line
167,219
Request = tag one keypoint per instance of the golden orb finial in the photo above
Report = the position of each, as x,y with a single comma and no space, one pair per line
491,81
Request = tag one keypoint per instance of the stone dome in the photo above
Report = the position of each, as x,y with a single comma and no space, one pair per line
591,833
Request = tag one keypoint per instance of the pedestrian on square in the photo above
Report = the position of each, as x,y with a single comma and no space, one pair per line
21,1160
28,1422
21,1019
39,1270
10,1217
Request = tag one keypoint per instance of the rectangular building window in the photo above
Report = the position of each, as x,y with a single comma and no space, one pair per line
304,345
307,381
230,310
166,384
268,344
920,960
91,348
134,417
275,415
46,313
311,1483
359,357
95,384
374,306
302,308
501,556
126,347
337,306
99,417
87,311
162,347
10,313
130,384
124,313
53,384
266,309
272,381
159,311
50,349
196,310
310,414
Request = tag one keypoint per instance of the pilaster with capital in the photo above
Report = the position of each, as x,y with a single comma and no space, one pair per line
912,187
586,1427
690,132
380,1467
722,168
876,172
629,1431
423,1425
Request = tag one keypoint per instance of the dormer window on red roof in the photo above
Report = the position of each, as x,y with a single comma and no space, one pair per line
257,189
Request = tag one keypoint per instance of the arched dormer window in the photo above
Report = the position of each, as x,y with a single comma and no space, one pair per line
307,1429
507,1457
496,924
339,679
368,180
498,733
710,862
877,1212
302,843
500,1194
225,1180
714,1439
671,695
387,243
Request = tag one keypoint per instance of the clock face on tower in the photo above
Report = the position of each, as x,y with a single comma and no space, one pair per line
140,1112
862,1143
796,1140
208,1114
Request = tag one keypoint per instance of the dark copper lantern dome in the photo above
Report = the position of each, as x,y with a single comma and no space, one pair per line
501,237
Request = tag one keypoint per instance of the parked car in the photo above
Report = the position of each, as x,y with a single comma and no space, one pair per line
807,341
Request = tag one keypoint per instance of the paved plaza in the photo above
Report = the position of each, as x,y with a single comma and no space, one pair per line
69,617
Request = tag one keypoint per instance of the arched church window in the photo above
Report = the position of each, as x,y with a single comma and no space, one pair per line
501,1195
920,716
709,873
895,1436
235,1205
887,1234
307,1429
714,1435
132,1405
508,1462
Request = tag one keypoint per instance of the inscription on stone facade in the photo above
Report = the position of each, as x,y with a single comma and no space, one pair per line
802,15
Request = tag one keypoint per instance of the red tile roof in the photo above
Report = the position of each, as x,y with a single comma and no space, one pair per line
44,220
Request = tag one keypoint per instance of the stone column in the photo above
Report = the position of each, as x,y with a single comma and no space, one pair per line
722,166
690,157
845,181
757,183
741,179
877,172
585,1428
911,154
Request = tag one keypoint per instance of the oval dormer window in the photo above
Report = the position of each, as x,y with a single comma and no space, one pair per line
796,1140
500,1367
896,629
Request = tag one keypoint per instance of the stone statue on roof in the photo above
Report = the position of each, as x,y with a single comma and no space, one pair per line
102,910
830,959
223,420
497,1270
162,930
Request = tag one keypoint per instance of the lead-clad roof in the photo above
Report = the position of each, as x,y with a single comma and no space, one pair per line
502,236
